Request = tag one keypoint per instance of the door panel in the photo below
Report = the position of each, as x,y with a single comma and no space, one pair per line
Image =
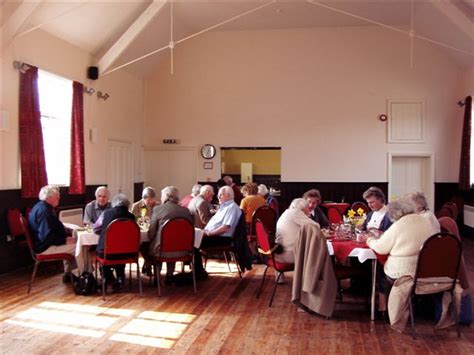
119,171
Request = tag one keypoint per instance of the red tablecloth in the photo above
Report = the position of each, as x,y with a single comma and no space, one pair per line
342,249
341,206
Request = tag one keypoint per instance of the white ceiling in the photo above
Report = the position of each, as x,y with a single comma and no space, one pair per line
96,25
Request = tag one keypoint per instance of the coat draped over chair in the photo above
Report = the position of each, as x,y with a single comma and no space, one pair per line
314,281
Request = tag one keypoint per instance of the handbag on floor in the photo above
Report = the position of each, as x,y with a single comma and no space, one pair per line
85,284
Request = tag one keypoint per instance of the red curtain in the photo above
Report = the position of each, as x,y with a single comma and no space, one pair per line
33,164
464,169
77,183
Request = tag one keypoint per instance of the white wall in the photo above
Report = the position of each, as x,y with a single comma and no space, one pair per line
120,117
317,93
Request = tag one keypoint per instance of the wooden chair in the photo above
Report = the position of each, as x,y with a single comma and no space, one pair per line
16,227
439,257
334,215
38,258
121,246
359,204
268,253
176,244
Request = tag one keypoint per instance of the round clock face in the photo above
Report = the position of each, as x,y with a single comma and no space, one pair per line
208,151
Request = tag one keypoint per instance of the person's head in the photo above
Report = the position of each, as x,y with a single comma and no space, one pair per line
225,194
50,194
149,196
301,204
195,190
262,190
102,195
207,192
313,197
375,198
228,180
400,207
419,200
169,193
120,200
249,188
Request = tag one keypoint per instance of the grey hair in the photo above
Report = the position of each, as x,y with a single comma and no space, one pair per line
227,190
102,188
419,200
206,188
120,200
48,191
376,192
228,180
195,190
400,207
262,190
148,192
170,193
299,204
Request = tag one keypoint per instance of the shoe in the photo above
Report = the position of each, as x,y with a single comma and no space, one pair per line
67,278
118,284
202,275
382,316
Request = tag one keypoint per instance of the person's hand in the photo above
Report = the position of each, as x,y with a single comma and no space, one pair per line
71,240
375,232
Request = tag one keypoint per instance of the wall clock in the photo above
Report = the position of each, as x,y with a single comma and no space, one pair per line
208,151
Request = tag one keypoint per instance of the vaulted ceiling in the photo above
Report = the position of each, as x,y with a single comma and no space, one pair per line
117,32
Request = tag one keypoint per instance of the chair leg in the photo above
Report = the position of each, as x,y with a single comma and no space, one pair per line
455,314
274,288
227,261
158,272
339,290
139,276
261,283
234,258
130,276
104,280
194,275
412,317
33,275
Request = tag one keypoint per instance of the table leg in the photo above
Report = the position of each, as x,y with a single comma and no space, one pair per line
372,296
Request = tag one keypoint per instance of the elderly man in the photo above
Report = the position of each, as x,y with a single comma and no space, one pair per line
313,197
237,193
200,206
147,203
95,208
168,209
49,234
187,199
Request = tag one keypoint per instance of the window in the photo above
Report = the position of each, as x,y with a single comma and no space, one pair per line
55,96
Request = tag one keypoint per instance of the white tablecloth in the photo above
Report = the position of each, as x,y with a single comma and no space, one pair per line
363,254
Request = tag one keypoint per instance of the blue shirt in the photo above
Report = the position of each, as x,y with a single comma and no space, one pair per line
46,227
228,214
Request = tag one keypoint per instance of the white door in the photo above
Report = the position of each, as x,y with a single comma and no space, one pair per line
119,170
409,173
170,167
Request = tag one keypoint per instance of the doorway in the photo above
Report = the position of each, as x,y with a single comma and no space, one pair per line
119,169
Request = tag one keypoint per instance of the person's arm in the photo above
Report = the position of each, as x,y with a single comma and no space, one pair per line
385,243
323,221
218,231
88,214
204,212
154,225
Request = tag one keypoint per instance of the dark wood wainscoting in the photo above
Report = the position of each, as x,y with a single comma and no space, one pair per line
137,191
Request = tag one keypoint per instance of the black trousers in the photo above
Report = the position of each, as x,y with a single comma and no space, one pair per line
119,269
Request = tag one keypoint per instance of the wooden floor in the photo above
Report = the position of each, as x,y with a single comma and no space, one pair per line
223,317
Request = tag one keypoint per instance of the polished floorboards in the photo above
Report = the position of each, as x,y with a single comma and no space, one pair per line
224,317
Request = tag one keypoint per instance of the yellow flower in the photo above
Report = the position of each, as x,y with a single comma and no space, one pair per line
351,213
360,212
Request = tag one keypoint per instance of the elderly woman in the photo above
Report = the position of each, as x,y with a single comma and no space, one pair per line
251,201
270,201
402,243
422,209
147,203
377,219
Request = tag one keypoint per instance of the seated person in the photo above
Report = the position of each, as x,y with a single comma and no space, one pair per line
422,209
237,193
402,243
200,206
147,203
95,208
270,201
250,202
377,219
119,209
313,196
168,209
187,199
48,232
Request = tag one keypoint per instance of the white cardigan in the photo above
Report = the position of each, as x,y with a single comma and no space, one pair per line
402,242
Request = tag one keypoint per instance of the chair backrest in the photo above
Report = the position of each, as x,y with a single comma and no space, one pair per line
444,212
122,236
334,215
449,225
359,204
27,234
440,256
177,234
453,208
263,238
267,216
14,222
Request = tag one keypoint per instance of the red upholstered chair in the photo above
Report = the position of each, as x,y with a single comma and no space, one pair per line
268,253
121,246
443,247
176,244
37,257
444,212
356,205
268,217
15,226
334,215
453,208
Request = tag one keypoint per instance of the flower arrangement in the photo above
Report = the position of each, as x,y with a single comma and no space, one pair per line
355,218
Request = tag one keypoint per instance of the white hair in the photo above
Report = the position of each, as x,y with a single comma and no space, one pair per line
170,193
195,190
48,191
418,199
262,190
299,204
148,192
227,190
400,207
102,188
206,188
120,200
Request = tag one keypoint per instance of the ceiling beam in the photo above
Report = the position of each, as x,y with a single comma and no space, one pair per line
455,15
130,34
11,27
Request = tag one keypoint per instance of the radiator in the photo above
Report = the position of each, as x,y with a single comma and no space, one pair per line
73,216
469,216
